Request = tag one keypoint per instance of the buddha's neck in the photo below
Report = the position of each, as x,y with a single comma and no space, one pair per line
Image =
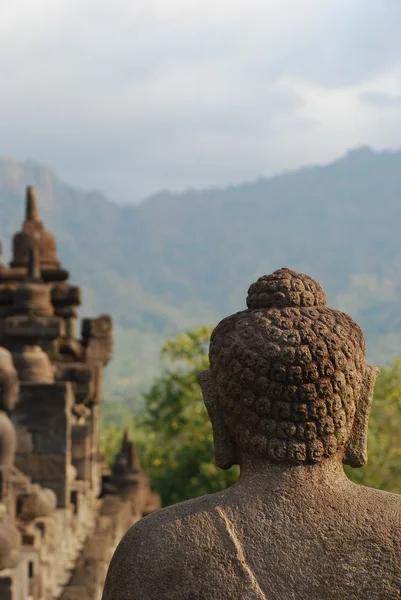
326,476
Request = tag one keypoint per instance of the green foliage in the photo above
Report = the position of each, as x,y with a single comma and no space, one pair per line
178,452
175,435
110,442
383,469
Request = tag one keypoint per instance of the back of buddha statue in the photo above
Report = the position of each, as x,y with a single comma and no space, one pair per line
337,544
288,394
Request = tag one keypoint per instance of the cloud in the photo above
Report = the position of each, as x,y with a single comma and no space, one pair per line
381,99
131,97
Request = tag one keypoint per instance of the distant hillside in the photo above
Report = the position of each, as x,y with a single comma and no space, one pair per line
180,260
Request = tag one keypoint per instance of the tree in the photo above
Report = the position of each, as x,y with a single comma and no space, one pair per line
175,435
383,469
178,453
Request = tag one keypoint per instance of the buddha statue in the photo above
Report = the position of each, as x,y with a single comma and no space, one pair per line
288,394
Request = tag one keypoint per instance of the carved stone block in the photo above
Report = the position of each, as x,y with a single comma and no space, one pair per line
45,412
81,451
66,295
28,327
97,328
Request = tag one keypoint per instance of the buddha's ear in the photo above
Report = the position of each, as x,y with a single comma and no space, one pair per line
224,449
356,453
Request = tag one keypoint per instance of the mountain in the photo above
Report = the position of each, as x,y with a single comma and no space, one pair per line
179,260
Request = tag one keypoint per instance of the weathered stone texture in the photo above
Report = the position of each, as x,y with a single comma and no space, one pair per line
58,524
288,394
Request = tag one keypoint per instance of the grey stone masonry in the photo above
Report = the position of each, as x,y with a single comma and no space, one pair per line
62,512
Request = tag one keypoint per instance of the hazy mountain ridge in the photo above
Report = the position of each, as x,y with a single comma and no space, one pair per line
182,259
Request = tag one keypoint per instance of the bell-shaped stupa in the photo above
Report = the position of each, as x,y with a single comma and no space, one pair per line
33,233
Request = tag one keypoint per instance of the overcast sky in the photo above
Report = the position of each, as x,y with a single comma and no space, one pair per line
130,97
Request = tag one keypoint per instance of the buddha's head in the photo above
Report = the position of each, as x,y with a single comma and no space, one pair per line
288,380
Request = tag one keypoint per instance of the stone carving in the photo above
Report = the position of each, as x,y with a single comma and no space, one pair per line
9,389
58,521
127,469
288,373
10,543
33,365
34,234
9,384
8,441
38,502
10,538
32,296
288,394
96,338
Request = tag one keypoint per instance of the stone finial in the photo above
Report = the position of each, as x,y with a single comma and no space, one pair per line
126,467
31,209
129,450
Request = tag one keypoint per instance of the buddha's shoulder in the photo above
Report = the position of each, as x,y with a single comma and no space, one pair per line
163,552
380,509
180,522
384,503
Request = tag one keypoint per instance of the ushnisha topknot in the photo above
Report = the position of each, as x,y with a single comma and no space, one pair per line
288,371
285,288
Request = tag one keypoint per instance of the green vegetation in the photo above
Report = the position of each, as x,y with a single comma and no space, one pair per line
384,442
174,434
179,452
175,437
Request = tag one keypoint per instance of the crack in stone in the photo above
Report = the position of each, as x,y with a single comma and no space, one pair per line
240,555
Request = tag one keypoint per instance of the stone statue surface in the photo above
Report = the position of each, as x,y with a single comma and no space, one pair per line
9,392
288,394
61,511
10,538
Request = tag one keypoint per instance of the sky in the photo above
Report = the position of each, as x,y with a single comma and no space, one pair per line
131,98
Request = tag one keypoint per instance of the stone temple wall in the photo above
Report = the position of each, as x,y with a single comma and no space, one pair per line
62,512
